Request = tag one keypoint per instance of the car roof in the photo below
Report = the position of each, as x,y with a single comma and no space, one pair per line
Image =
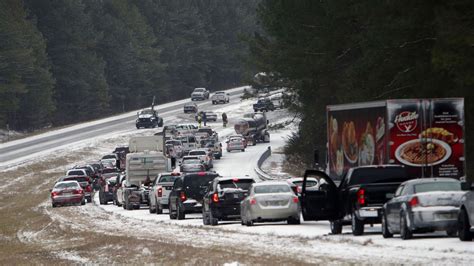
225,178
67,181
271,182
202,173
429,180
297,179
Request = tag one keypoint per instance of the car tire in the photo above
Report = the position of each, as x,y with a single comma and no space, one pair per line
212,221
464,232
357,225
405,232
243,150
173,216
248,221
54,205
83,202
101,198
180,212
336,227
151,209
452,232
159,209
293,220
385,230
89,199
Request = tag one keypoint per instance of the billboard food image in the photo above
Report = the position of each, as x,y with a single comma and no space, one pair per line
426,136
356,137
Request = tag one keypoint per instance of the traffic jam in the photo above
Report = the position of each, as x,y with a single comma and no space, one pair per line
397,163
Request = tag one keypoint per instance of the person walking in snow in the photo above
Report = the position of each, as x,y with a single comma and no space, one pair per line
224,119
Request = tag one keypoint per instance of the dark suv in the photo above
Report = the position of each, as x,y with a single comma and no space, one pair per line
188,192
223,197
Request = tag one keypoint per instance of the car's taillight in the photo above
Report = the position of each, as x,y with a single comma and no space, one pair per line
201,173
361,196
160,192
78,191
253,201
215,197
414,202
182,196
54,194
296,200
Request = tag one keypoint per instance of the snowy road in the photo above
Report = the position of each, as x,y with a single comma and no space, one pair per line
106,234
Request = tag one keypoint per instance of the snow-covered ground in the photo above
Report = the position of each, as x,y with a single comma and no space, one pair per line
309,241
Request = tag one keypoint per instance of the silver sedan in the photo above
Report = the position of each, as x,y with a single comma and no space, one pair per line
270,201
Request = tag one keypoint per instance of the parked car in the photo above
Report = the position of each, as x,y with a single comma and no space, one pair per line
67,192
423,205
220,97
190,108
148,118
160,190
73,171
210,116
264,105
200,94
466,213
357,201
235,144
223,197
204,156
107,187
112,158
84,181
118,190
188,192
270,201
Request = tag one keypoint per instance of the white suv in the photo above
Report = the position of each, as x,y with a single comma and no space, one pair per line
220,97
200,94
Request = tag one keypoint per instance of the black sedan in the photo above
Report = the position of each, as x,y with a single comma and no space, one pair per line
422,206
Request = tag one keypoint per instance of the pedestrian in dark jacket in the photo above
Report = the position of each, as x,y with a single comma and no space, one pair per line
204,118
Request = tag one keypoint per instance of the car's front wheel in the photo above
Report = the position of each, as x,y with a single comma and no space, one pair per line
405,232
464,227
385,231
180,212
336,227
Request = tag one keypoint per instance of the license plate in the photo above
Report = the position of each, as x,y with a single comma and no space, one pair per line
67,194
368,213
236,196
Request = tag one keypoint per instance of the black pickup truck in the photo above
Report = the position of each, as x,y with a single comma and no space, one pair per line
264,104
358,199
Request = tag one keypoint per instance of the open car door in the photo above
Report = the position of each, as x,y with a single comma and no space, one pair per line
322,202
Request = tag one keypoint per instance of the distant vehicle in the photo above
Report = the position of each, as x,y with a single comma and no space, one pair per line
223,197
357,201
186,130
84,181
423,205
253,128
177,145
148,118
264,105
78,172
112,158
160,190
107,186
200,94
213,135
296,184
204,156
193,165
270,201
466,213
122,152
67,192
210,116
187,194
215,148
239,136
220,97
190,108
235,144
118,192
188,142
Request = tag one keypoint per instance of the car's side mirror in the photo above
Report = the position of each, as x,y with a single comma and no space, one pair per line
466,186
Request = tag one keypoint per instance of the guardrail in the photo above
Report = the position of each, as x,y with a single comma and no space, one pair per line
262,174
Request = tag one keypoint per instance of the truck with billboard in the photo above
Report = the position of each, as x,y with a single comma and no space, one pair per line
144,162
424,135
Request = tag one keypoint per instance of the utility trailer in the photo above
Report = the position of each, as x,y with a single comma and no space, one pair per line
144,162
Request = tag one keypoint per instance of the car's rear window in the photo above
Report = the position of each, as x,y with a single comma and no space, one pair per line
437,186
309,183
237,183
197,181
75,172
272,189
111,156
66,185
167,178
378,175
197,153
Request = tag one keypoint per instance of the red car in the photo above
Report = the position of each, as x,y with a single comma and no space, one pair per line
67,192
84,181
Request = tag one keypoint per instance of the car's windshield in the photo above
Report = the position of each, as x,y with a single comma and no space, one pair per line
237,183
272,189
110,156
63,185
193,161
167,178
145,112
437,186
199,90
220,92
378,175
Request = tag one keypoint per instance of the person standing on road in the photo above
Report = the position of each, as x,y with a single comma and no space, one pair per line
204,118
224,119
199,119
